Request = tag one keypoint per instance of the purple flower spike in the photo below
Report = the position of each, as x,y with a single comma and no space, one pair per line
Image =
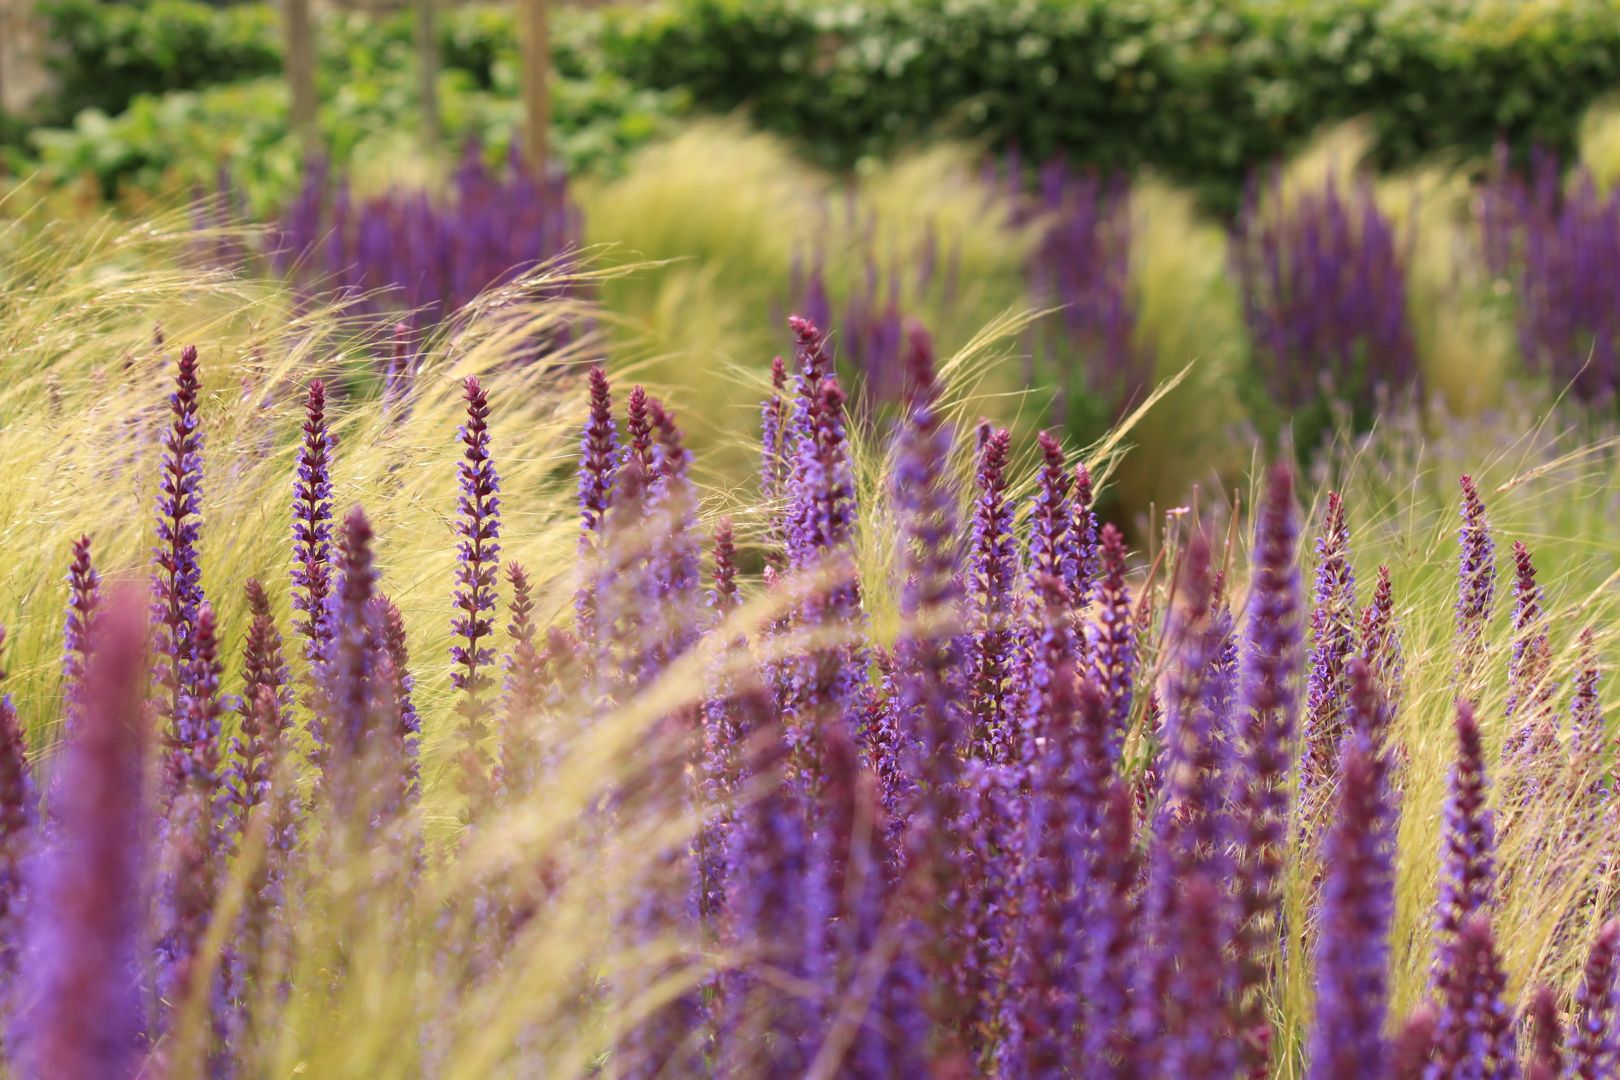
312,529
992,580
1086,556
18,802
402,772
1587,744
350,667
1114,647
523,692
83,1017
1381,639
598,460
1594,1050
774,460
1270,701
176,574
1476,585
264,710
84,595
1112,933
1358,907
1530,689
478,565
1333,617
1474,1037
1051,539
1467,860
1412,1050
1546,1037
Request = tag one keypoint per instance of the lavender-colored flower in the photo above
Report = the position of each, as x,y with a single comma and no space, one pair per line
1324,298
1476,585
1357,911
1530,690
1546,1058
1270,700
1412,1049
1196,1044
1086,555
1333,616
1474,1036
1112,936
1051,533
598,460
82,1020
176,574
18,814
312,539
992,580
1467,859
349,671
1594,1049
478,525
774,460
1113,647
84,595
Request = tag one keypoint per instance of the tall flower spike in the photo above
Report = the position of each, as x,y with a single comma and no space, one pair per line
312,526
1381,639
1270,698
403,771
1546,1037
523,690
992,581
84,595
1114,647
1474,1038
1051,538
176,574
17,820
1594,1052
1476,585
1412,1050
598,469
478,525
1467,858
773,465
350,670
1333,616
1530,690
266,699
83,1017
1352,941
1086,563
1112,933
1585,712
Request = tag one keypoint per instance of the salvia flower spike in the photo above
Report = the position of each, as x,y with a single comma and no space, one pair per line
176,572
1594,1051
478,525
1333,614
18,814
1476,585
312,526
84,595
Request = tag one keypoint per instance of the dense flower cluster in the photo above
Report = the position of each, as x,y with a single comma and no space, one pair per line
1000,843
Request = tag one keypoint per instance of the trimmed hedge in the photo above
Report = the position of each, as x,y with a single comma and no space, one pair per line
1199,89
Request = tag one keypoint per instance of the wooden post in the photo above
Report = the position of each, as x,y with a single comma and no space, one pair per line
536,31
427,58
301,70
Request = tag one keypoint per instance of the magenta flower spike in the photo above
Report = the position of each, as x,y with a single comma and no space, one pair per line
1474,1036
176,574
1270,701
478,525
263,711
83,1018
84,596
1530,685
1546,1036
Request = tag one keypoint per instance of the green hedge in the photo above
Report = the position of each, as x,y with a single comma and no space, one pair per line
1200,89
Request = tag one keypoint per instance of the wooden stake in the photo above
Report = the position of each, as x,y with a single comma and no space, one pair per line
535,16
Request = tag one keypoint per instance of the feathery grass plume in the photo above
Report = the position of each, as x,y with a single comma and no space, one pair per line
312,559
926,662
598,463
1530,686
1474,1036
773,466
84,595
1546,1055
1357,911
82,1019
1112,934
1333,613
264,672
18,814
176,574
1594,1049
478,524
1476,586
1412,1049
1270,700
1113,647
1467,864
1186,846
992,585
1381,639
